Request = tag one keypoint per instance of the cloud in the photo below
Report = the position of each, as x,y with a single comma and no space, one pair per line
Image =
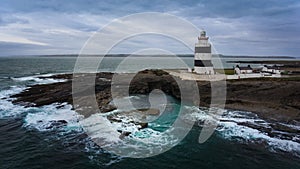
268,27
238,8
9,19
204,8
16,39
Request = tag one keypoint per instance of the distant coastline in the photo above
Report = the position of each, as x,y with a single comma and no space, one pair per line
157,55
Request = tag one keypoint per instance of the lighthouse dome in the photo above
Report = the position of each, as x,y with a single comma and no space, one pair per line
203,34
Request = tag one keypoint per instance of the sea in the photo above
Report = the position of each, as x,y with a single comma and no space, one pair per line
28,139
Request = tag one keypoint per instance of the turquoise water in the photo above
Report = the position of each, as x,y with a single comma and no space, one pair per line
26,141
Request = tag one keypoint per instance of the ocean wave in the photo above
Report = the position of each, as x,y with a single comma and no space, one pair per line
232,127
7,108
11,91
51,117
61,117
139,139
98,126
231,130
38,80
64,121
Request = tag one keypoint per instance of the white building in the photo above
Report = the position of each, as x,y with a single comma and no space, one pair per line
271,69
243,70
202,60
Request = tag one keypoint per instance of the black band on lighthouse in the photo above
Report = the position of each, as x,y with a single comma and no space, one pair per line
203,63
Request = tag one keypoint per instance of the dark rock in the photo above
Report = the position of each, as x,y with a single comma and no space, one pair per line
56,123
153,112
124,134
143,125
113,119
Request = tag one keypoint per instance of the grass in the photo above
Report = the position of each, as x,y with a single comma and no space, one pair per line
225,71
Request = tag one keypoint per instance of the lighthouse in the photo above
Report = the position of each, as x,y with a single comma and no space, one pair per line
202,60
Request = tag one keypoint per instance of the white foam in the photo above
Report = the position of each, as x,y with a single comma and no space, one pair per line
139,142
38,80
13,90
230,129
7,108
42,119
198,115
99,127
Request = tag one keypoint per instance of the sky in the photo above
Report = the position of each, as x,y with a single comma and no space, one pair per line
235,27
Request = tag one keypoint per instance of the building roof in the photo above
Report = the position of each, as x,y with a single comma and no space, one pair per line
272,67
244,68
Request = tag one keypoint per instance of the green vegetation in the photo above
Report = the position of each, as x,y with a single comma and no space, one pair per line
291,78
225,71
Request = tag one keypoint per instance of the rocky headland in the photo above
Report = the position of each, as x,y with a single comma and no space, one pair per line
276,100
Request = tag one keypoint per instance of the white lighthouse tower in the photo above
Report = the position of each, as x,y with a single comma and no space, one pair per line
202,61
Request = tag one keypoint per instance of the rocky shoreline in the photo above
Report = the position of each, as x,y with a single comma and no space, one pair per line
274,100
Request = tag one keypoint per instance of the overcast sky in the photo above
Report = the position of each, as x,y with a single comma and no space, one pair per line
235,27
